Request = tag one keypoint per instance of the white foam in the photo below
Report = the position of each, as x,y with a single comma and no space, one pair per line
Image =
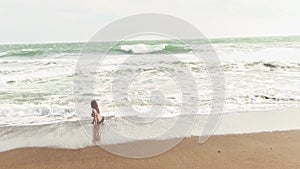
3,53
143,48
35,114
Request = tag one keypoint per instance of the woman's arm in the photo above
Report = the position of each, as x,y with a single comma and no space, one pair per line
95,116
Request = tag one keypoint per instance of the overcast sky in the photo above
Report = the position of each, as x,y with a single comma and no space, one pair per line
32,21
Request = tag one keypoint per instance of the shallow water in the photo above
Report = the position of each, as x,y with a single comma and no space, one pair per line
73,135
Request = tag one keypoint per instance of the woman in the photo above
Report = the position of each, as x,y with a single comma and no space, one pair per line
96,113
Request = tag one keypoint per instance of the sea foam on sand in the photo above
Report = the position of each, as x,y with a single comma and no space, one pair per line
73,135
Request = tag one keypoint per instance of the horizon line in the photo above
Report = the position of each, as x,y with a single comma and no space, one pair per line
212,38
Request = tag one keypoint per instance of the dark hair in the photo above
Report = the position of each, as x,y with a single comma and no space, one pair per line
94,105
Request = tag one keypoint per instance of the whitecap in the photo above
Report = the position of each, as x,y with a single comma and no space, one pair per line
143,48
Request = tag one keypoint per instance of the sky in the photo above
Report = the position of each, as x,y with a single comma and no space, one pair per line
35,21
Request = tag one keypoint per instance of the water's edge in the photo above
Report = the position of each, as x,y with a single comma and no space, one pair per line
74,135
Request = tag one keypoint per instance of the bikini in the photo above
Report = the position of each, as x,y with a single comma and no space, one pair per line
101,121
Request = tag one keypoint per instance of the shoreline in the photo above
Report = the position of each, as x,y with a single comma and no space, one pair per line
74,135
259,150
152,140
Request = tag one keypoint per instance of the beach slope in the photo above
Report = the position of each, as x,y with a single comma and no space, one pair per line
261,150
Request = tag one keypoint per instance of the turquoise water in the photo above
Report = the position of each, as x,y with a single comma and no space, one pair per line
183,46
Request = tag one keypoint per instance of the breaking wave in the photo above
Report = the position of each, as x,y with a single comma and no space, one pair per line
145,48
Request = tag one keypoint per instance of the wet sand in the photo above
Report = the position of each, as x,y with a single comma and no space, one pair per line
262,150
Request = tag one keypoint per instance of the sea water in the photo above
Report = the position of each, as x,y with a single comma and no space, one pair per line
37,79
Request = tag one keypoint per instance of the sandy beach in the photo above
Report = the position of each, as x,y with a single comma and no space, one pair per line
262,150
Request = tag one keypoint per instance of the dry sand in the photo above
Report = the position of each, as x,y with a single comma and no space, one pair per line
262,150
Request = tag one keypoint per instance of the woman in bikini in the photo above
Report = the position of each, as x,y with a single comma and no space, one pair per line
96,113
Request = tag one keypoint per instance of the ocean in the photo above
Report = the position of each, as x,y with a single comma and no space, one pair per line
261,74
